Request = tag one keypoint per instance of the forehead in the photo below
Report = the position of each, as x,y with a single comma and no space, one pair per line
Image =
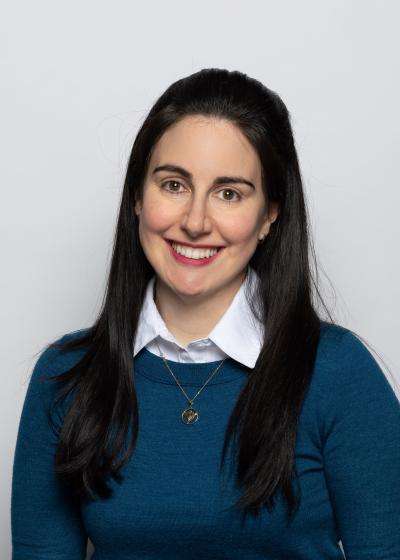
207,146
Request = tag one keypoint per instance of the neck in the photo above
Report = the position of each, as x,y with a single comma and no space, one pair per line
190,319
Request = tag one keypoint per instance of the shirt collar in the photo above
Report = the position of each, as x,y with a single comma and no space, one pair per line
238,333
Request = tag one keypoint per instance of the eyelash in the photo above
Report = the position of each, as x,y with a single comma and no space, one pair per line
222,190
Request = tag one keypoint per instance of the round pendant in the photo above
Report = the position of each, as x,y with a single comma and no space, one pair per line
190,416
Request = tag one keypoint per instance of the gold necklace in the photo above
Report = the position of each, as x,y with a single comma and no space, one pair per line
189,415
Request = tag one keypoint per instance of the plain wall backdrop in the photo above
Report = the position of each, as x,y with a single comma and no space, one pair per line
78,78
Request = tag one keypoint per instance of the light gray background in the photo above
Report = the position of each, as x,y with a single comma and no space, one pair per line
77,81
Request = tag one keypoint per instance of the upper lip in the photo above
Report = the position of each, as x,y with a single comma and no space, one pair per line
196,246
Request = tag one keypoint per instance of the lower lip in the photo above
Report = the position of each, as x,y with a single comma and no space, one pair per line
195,262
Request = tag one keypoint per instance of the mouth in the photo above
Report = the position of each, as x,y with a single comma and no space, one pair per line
193,261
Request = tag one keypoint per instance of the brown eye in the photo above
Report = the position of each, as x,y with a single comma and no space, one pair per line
171,182
230,199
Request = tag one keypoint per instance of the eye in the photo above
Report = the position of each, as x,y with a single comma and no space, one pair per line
171,181
238,196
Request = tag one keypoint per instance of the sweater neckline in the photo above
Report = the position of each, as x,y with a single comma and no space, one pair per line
152,366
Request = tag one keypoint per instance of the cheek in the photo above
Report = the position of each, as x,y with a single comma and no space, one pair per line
239,230
155,216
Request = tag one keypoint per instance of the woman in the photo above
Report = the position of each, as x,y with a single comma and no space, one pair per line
209,410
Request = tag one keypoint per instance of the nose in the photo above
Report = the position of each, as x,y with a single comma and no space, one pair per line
196,220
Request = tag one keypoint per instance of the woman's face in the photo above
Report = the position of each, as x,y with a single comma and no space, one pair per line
203,187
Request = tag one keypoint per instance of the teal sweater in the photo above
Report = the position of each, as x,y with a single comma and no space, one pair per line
170,503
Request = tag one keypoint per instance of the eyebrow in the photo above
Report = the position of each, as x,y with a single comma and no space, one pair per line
217,181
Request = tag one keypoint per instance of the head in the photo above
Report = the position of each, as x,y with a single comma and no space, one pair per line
203,188
209,167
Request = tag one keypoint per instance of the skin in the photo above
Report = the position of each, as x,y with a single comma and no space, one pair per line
192,299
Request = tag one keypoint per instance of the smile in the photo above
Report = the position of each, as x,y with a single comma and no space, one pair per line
197,257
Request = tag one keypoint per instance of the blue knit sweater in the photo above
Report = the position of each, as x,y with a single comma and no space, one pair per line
171,505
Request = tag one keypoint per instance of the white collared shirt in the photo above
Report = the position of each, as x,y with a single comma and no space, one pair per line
238,334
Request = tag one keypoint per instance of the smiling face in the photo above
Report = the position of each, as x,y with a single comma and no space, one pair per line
202,187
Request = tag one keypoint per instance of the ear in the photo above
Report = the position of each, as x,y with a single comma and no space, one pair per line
273,213
138,207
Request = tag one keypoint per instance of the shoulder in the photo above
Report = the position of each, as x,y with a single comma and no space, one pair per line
346,369
55,358
342,348
43,383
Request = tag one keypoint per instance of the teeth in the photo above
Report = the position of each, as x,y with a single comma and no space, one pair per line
194,253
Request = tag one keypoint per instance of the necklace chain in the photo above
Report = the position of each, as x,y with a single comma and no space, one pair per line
193,415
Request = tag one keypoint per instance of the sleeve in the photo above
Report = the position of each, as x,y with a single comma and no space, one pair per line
45,521
361,454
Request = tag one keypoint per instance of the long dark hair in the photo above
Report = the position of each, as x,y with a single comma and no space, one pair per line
101,385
